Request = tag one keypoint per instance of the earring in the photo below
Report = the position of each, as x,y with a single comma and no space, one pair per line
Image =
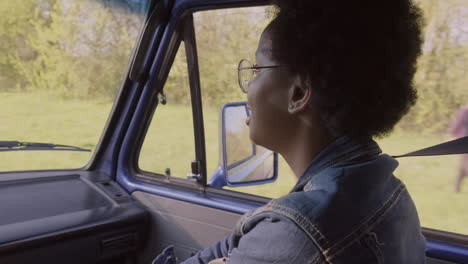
291,106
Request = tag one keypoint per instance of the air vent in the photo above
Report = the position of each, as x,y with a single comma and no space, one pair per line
117,244
113,189
119,241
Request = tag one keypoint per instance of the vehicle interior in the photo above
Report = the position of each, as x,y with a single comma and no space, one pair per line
111,200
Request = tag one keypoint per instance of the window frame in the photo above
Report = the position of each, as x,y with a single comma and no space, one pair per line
183,30
183,34
126,98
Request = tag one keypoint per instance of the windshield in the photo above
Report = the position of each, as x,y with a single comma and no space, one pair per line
61,65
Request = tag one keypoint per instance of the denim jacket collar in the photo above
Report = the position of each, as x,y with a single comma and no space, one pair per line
344,149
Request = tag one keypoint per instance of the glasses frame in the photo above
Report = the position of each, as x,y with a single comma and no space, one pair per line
255,69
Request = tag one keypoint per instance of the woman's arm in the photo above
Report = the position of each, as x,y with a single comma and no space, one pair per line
274,239
216,251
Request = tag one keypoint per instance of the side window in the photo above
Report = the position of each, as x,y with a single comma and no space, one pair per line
169,147
224,37
437,184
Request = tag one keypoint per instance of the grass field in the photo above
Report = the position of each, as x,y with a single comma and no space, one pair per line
41,118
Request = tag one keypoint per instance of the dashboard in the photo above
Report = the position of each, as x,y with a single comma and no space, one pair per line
68,218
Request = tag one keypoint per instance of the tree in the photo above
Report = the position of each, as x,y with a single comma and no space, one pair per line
441,78
80,48
224,37
15,26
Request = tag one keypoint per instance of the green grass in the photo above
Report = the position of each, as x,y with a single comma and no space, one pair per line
39,117
169,144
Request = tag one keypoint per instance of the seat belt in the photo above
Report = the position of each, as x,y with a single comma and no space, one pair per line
452,147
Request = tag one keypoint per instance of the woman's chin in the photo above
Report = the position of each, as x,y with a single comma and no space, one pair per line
256,140
252,139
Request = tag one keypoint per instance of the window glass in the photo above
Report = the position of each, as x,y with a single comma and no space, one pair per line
61,65
224,37
169,145
438,116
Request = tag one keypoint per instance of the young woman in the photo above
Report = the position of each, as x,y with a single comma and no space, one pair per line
329,76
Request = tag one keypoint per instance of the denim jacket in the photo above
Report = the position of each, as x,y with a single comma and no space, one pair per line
346,208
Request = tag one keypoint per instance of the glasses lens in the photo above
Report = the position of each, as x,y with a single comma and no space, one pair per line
245,74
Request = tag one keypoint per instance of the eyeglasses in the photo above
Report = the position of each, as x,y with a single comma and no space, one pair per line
246,72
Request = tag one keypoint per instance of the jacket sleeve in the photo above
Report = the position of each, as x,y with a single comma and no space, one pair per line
274,239
216,251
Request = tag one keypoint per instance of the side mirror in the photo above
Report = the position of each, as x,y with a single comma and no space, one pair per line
241,162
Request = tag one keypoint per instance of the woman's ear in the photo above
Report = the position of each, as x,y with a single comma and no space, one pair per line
300,93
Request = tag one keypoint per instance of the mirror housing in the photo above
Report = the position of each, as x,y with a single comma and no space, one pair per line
242,163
